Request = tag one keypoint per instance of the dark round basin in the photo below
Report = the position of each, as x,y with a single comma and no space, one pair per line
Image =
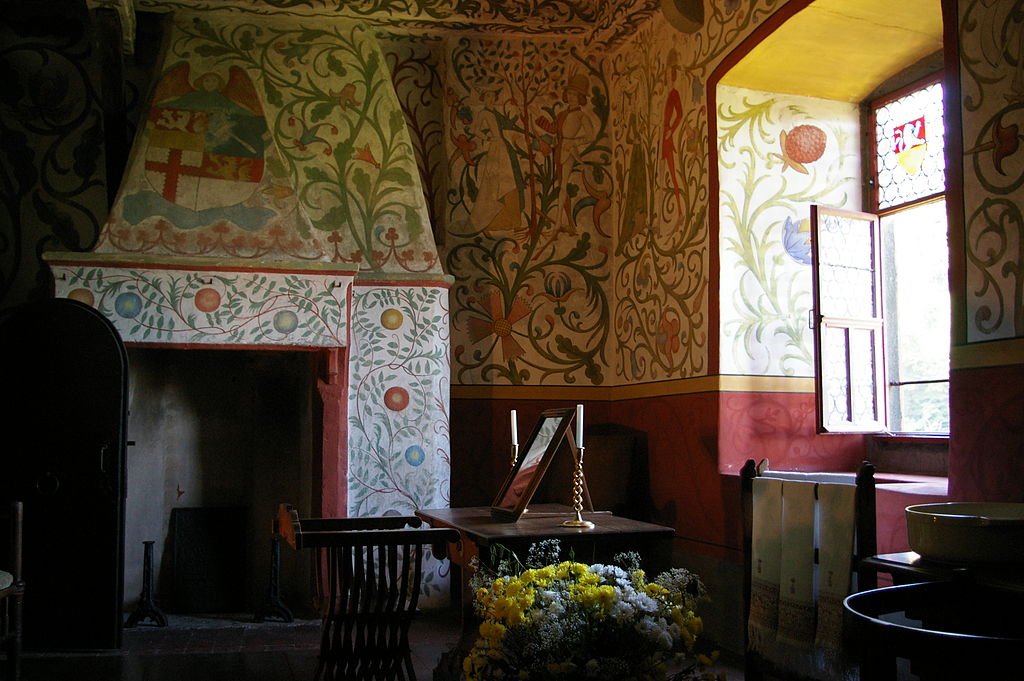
951,629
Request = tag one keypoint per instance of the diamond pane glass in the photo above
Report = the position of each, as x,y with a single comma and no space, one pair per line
837,388
846,274
909,140
863,401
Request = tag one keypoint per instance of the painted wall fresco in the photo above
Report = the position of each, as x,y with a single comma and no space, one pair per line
398,406
661,267
252,304
606,23
415,63
528,223
778,154
992,87
274,140
52,177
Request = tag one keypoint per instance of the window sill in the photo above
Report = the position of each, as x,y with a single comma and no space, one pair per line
912,437
910,454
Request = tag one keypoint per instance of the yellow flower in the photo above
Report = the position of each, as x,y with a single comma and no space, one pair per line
492,632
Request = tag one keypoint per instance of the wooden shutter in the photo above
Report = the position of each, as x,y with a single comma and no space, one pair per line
847,317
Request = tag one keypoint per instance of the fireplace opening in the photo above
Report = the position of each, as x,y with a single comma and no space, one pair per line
217,434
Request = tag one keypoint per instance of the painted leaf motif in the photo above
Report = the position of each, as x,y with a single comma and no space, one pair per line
399,176
273,94
321,111
413,223
361,181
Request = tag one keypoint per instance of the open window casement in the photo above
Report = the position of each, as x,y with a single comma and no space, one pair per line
847,321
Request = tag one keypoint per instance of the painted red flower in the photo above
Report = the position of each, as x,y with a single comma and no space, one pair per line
499,323
668,336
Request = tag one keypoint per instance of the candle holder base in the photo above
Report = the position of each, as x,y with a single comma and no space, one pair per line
578,522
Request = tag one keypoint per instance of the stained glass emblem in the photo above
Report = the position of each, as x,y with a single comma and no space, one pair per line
910,144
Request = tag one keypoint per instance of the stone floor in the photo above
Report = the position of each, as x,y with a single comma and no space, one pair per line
234,648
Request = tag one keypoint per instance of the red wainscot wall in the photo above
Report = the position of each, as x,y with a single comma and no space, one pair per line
986,452
697,443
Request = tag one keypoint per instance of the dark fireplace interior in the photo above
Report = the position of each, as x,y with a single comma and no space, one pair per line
217,439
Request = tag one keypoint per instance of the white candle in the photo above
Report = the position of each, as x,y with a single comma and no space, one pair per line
579,425
515,430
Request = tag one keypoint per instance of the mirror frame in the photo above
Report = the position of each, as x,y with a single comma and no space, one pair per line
510,509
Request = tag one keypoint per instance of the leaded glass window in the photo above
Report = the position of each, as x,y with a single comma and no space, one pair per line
909,138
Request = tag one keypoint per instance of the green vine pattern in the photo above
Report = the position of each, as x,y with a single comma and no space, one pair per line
766,294
661,318
414,66
992,51
531,190
171,306
399,438
341,133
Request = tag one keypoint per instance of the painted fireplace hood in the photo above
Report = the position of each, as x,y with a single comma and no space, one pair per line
273,170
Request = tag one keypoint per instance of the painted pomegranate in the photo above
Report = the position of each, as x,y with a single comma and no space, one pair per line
803,144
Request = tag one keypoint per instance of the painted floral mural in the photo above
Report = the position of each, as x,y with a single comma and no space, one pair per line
992,81
661,274
777,156
527,212
275,139
398,442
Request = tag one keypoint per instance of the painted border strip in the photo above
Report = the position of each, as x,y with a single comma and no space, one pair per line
987,354
685,386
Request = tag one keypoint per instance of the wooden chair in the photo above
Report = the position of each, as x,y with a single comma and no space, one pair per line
12,589
793,613
369,570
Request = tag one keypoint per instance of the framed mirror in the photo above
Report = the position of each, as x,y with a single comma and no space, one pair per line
525,476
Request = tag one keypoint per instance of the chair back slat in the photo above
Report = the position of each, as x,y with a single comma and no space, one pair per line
11,596
371,571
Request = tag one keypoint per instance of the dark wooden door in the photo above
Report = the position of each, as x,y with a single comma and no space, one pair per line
64,370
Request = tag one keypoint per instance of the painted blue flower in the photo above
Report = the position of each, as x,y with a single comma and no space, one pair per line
128,305
796,238
414,455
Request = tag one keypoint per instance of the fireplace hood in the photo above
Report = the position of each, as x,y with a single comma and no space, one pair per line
273,169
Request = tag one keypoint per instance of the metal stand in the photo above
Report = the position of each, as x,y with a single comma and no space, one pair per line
146,608
515,455
577,496
274,608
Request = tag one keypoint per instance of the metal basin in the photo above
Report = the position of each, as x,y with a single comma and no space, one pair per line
967,533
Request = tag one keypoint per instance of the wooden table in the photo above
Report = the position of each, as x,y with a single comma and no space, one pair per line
479,532
611,534
908,567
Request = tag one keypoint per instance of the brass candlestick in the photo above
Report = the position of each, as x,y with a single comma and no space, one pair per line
577,496
515,455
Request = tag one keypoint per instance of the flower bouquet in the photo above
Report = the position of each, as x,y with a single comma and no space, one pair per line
570,621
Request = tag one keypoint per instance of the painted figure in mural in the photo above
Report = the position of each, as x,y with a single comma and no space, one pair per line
634,209
573,130
671,120
497,207
205,151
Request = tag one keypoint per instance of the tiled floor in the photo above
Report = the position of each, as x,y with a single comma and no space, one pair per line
236,649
